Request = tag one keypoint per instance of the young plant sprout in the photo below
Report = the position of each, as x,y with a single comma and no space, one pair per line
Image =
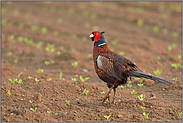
8,93
60,77
141,97
102,92
49,112
121,86
19,81
85,91
13,81
9,53
49,79
129,84
74,79
157,72
83,79
30,101
33,110
68,101
145,115
133,92
29,77
37,80
140,85
46,62
40,70
74,64
143,107
107,117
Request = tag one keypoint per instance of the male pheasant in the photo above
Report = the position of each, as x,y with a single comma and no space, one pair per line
113,68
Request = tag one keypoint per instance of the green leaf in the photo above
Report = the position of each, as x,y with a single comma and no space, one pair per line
8,93
133,92
107,117
139,22
60,77
85,91
157,72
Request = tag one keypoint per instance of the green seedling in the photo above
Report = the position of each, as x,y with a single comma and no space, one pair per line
49,79
145,115
47,63
21,25
102,92
121,86
37,80
133,92
20,39
74,64
112,49
53,9
30,101
15,61
50,50
121,53
29,77
85,13
58,53
20,74
59,20
139,22
74,79
70,11
107,117
13,81
83,79
8,93
16,12
73,36
140,85
68,101
9,53
141,97
3,21
155,29
85,91
180,114
87,24
137,78
158,57
169,48
52,61
49,112
175,34
143,107
174,45
90,55
35,27
40,70
157,72
165,31
129,84
55,33
179,56
60,77
44,30
27,15
114,42
93,16
176,65
174,78
19,81
56,113
39,44
33,110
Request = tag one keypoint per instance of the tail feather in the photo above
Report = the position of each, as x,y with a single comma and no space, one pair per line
147,76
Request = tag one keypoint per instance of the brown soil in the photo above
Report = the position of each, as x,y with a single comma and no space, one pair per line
140,44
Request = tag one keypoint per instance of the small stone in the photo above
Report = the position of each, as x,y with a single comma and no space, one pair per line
152,96
119,115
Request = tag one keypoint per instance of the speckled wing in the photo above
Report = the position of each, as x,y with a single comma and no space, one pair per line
107,66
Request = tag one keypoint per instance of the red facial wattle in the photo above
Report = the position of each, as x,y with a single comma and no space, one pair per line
96,37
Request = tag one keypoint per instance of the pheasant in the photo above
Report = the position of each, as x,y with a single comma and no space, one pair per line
112,68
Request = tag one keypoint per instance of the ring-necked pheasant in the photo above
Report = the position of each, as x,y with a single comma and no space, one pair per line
113,68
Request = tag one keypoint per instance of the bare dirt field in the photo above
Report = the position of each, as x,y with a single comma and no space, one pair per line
45,49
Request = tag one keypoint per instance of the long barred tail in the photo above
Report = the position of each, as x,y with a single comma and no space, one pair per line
147,76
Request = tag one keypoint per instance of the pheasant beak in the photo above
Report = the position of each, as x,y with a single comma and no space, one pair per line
91,36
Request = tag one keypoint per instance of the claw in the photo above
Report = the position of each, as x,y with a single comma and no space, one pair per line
104,99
